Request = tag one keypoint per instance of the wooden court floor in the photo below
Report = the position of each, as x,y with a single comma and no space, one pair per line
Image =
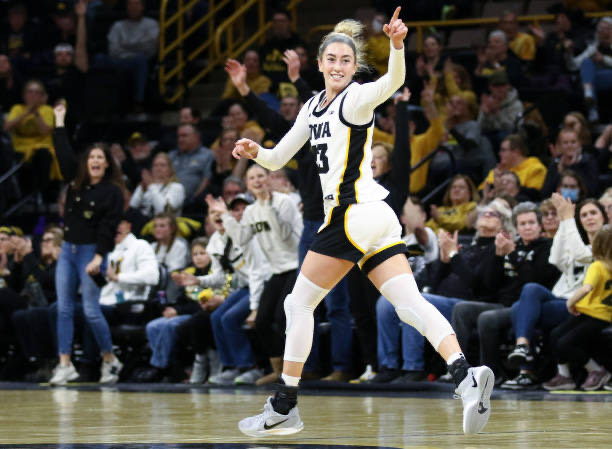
207,418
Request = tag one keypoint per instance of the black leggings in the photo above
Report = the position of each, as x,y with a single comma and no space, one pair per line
363,307
197,331
270,322
10,302
576,340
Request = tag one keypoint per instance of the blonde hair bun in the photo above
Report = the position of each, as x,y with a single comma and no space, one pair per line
350,27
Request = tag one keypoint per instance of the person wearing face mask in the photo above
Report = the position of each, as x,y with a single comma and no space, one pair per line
505,271
573,158
571,186
378,44
94,205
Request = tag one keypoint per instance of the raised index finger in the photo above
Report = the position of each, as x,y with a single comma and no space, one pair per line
395,15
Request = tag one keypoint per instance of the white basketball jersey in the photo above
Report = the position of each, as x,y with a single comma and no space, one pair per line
343,154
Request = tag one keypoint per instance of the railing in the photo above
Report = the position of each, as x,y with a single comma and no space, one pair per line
226,31
427,158
230,33
425,25
176,21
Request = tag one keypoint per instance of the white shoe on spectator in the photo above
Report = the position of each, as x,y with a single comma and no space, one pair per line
366,377
62,374
225,377
199,371
249,377
110,371
271,423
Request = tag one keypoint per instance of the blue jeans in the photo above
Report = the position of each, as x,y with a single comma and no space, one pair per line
537,307
89,346
161,333
599,77
391,329
231,339
337,305
70,271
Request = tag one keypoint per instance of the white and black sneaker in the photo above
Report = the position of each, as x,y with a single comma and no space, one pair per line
524,381
520,355
110,371
271,423
475,393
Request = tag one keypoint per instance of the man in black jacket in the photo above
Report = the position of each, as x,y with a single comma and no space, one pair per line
505,271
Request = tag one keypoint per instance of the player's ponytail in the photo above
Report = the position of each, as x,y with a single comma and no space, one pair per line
349,32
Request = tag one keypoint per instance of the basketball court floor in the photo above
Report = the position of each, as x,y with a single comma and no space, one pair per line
179,416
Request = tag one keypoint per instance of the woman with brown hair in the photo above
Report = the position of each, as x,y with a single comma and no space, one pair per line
94,204
460,199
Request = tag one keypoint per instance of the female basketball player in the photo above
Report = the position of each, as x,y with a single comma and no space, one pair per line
359,226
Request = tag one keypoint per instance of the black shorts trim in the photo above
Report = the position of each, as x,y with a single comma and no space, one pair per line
377,258
333,241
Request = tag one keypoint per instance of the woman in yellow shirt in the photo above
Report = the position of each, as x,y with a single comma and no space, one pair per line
591,306
459,200
30,126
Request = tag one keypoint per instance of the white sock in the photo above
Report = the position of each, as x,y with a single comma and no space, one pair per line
454,357
564,370
592,365
588,91
291,381
200,358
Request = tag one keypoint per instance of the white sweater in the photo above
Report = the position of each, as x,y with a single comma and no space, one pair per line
571,256
251,268
175,259
277,225
157,196
136,267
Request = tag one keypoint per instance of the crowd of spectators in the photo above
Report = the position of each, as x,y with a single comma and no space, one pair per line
506,225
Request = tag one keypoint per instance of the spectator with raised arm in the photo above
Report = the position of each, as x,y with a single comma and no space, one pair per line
258,82
94,205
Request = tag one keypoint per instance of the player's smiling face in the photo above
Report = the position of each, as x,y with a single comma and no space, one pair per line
337,65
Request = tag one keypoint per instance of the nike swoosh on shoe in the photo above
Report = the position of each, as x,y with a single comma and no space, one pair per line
272,426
